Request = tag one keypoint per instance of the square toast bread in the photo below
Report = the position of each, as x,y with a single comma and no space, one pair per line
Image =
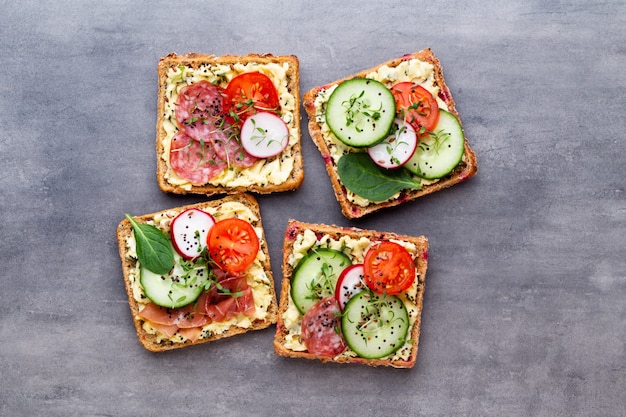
220,70
293,234
136,299
466,169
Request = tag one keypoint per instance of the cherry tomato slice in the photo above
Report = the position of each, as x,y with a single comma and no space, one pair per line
233,244
417,105
388,268
249,92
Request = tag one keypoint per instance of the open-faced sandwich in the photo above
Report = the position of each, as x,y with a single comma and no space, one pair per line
228,124
197,273
351,295
389,134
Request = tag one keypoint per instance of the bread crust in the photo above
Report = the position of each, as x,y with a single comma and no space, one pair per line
294,228
466,169
195,60
149,341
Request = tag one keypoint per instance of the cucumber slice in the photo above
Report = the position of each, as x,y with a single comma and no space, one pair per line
440,151
179,287
375,325
315,276
360,112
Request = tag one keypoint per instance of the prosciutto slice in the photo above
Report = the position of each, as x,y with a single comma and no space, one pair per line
230,297
192,333
166,330
192,315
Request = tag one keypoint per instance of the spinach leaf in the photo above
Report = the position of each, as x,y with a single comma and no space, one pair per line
154,249
363,177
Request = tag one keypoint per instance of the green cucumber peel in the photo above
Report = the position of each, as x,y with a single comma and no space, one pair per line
363,177
315,276
360,112
375,325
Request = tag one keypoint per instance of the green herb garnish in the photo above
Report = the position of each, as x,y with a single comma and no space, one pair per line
357,109
154,249
440,138
261,135
363,177
322,285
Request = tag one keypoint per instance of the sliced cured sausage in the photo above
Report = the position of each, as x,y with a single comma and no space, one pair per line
200,115
166,330
229,148
321,328
199,109
192,333
245,303
232,297
192,315
193,160
159,315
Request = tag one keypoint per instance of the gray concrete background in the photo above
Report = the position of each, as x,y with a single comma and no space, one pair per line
525,304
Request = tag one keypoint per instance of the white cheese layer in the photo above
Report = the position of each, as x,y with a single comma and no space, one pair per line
413,70
257,278
272,171
355,249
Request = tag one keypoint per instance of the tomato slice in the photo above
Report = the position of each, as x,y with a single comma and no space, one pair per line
248,93
388,268
233,244
417,106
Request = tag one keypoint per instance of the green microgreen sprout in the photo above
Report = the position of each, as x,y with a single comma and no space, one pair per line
358,109
440,138
261,135
321,284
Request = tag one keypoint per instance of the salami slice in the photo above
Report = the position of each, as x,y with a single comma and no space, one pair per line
320,328
193,160
199,109
200,114
229,148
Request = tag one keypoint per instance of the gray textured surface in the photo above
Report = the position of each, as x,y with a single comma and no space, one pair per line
525,306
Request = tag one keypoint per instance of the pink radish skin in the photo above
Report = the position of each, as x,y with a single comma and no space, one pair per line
264,135
189,231
395,150
350,282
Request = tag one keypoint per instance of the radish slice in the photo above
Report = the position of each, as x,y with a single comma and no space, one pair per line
396,149
189,231
350,282
264,134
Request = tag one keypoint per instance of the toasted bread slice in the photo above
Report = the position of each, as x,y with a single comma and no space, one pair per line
283,172
302,237
423,68
259,276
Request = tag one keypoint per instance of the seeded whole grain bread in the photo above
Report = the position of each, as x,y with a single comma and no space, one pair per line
195,60
149,341
466,169
294,228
